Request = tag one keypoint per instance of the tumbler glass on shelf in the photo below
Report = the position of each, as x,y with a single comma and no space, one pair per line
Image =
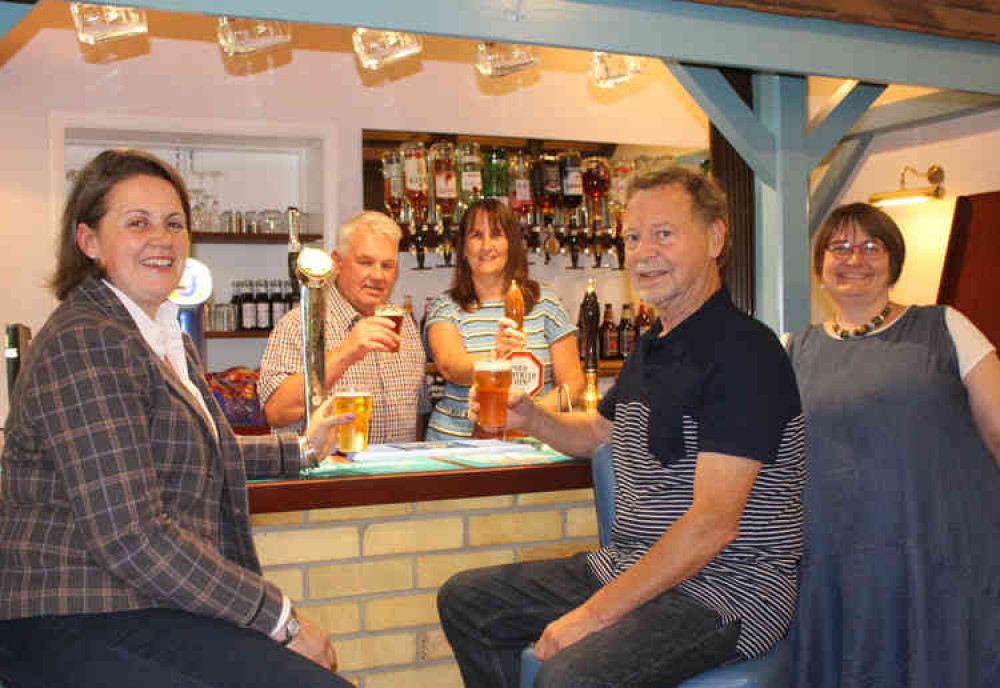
415,179
245,35
375,48
99,23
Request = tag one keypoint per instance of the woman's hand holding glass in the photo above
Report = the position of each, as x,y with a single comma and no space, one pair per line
321,434
509,338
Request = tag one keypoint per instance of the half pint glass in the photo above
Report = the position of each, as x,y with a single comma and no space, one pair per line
492,380
395,314
353,436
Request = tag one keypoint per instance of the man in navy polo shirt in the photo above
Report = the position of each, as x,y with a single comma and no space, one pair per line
708,443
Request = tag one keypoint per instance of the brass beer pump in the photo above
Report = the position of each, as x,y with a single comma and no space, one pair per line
314,268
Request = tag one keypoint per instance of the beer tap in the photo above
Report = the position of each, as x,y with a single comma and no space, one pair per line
618,242
419,246
590,313
314,267
575,244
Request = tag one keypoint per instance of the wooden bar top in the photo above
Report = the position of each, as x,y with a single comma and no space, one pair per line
321,493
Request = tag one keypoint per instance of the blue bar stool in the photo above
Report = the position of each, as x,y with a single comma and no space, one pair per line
770,671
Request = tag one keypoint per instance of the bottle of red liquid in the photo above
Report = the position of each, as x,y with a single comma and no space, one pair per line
609,336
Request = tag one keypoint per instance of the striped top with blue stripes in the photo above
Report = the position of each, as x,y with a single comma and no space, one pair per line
718,382
547,323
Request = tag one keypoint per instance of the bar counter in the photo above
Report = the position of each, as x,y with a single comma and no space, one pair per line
272,496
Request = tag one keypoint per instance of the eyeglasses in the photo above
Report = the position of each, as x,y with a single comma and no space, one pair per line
870,248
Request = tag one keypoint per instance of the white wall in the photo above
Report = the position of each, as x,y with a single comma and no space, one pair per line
186,80
967,150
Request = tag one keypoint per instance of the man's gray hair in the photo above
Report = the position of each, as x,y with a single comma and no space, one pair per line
380,223
708,200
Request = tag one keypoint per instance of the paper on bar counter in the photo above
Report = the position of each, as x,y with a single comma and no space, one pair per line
381,452
418,457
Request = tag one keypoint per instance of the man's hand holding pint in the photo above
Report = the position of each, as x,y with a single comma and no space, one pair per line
520,409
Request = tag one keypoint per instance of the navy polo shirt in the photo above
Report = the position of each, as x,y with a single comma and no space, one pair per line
721,382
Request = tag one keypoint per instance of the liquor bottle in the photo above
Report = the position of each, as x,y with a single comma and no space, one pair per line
237,301
520,185
590,313
445,179
278,304
392,179
470,174
263,304
415,179
294,246
513,304
572,180
627,333
496,175
596,182
551,196
248,308
609,335
642,321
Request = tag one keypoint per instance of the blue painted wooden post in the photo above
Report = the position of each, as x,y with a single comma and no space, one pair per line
782,235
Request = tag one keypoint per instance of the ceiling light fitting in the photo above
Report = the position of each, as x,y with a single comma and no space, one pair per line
100,23
503,59
246,36
904,196
607,70
375,48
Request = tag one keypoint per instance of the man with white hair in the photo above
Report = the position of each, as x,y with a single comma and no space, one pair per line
360,346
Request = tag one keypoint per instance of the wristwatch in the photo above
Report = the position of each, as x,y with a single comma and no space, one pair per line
292,629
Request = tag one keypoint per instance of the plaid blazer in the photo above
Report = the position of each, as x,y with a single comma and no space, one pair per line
115,494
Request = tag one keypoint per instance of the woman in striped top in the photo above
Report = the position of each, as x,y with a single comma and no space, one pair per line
467,322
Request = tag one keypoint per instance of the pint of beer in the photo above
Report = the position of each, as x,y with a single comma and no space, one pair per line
492,379
353,436
395,314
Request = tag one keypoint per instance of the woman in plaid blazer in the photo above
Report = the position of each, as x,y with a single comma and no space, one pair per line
126,553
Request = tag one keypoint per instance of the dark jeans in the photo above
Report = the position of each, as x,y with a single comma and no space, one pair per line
155,648
491,614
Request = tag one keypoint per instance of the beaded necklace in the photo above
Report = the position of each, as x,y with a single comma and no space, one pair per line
862,330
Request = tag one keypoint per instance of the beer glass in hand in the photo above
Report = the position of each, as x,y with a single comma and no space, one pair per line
395,314
492,380
353,436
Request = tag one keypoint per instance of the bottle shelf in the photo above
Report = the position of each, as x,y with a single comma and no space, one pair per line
227,238
237,334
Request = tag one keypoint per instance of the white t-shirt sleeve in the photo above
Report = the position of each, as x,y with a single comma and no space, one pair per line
971,345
